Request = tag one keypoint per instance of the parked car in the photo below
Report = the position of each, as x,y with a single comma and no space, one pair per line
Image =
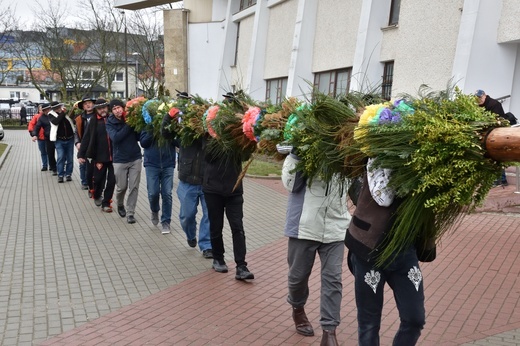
1,132
5,110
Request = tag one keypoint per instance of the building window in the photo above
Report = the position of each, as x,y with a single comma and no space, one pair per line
236,45
333,83
246,3
14,94
89,75
118,94
119,77
276,90
394,12
388,78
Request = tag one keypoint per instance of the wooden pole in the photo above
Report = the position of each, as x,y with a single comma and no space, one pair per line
503,144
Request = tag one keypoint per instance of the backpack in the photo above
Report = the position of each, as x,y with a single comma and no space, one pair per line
512,119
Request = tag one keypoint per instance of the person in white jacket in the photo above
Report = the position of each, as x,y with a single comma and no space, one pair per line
316,222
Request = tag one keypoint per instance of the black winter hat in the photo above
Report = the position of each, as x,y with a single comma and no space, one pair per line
85,99
100,103
116,102
46,106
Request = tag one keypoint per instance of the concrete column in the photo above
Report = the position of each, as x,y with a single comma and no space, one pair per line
176,50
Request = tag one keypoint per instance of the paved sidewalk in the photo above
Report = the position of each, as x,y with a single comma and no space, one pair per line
72,275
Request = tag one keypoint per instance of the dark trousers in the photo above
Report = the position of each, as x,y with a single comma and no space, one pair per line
51,154
405,278
233,207
104,181
89,174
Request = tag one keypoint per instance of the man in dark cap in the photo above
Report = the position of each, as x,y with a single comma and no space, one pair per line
97,146
44,123
62,133
127,159
82,120
493,106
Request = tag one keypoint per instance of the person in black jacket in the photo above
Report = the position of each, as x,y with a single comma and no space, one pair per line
221,173
127,159
82,120
493,106
45,123
97,146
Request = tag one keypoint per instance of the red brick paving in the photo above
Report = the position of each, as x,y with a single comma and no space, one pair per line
472,291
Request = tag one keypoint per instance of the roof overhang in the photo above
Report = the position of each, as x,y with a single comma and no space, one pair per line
140,4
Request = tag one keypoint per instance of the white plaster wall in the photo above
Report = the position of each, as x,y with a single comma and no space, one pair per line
206,42
336,34
280,34
513,104
509,27
239,72
200,10
488,65
423,44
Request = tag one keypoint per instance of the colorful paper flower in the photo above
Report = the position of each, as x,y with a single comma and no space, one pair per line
249,120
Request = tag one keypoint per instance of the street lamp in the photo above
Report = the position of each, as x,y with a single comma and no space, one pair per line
136,54
126,55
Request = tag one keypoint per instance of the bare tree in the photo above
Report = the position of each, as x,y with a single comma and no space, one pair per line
8,27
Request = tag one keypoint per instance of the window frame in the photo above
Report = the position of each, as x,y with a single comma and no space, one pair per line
333,81
280,86
246,4
393,18
387,79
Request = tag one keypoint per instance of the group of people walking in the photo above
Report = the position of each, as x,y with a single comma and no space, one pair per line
111,155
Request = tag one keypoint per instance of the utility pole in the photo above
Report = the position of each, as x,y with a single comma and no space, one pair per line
126,57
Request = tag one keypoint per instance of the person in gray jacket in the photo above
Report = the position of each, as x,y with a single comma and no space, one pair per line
316,222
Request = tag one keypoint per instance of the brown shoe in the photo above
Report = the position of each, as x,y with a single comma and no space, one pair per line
329,338
303,326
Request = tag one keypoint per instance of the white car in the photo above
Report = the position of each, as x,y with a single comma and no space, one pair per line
1,132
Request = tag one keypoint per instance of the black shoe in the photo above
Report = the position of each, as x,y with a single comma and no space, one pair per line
44,169
220,266
192,243
68,178
243,273
98,201
130,218
54,172
505,183
122,212
60,179
207,253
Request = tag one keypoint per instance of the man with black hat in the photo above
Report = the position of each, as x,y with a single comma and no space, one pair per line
82,120
44,123
97,146
127,159
62,133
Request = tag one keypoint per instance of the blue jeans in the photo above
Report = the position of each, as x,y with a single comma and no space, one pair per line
83,173
189,196
159,183
65,151
43,152
405,278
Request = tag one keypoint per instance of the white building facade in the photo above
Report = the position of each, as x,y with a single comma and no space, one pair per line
277,48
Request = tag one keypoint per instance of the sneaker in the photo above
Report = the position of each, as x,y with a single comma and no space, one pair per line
192,243
68,178
155,218
165,228
243,273
130,218
54,172
207,253
44,169
220,266
107,209
98,201
122,211
60,179
84,187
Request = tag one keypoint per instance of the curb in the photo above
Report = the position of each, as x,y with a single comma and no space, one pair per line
4,155
266,177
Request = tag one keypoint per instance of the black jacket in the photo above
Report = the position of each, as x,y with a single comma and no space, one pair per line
45,123
96,143
221,172
191,163
493,106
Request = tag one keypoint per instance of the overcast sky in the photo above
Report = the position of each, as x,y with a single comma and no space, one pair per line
29,10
